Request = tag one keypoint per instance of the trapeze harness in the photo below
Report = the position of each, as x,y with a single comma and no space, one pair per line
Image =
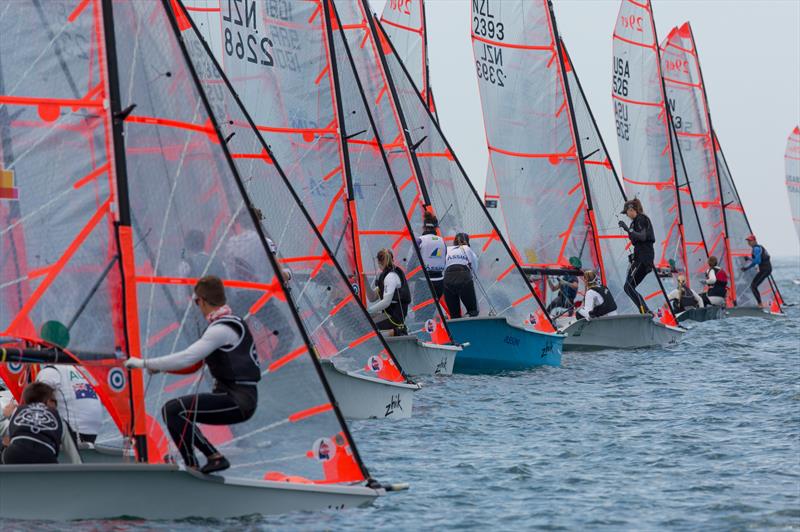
397,310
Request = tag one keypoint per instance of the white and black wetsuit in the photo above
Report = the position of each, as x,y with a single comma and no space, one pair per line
229,352
598,301
459,286
35,431
394,297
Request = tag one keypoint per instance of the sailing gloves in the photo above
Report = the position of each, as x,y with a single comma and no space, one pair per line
624,226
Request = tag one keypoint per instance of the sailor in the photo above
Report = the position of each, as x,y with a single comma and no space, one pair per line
78,403
683,297
567,286
229,351
433,251
598,300
642,237
392,294
459,285
195,262
760,257
35,429
716,284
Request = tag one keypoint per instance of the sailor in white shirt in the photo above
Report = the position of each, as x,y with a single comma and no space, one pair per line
392,294
433,251
598,300
78,403
459,285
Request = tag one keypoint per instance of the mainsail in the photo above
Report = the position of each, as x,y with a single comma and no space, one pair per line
164,192
405,25
792,158
503,288
652,165
691,119
347,181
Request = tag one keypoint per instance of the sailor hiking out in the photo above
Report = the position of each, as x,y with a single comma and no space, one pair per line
597,301
229,351
643,238
35,429
433,251
459,284
683,297
392,296
759,258
716,284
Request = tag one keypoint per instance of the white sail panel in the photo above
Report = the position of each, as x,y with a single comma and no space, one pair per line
792,159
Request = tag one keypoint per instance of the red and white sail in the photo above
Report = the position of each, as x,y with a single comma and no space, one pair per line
792,158
652,166
405,25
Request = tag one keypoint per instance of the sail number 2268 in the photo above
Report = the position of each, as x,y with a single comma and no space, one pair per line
240,36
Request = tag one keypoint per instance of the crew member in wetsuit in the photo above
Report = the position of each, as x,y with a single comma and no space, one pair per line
760,257
459,285
716,284
229,351
393,297
683,297
433,251
597,301
643,238
35,428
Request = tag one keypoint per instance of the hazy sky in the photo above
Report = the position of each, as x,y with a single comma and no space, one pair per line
750,55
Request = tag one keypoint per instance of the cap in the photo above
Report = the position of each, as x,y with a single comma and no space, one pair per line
628,204
750,237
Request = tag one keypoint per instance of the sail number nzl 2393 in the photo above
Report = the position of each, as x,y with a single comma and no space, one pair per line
622,74
487,30
241,39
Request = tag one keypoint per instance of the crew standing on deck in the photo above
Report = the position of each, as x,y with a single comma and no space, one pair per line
643,239
716,284
229,351
597,301
392,294
759,258
433,251
461,263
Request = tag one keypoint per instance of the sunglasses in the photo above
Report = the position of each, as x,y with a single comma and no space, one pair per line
196,299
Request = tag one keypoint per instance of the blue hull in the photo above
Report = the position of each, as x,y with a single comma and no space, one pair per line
495,345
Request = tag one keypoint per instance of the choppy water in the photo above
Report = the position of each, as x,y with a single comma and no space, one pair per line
705,435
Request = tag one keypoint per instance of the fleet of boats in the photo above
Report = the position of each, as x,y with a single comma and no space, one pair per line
280,145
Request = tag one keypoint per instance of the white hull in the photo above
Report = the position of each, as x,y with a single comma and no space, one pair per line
364,397
423,358
751,312
102,491
625,331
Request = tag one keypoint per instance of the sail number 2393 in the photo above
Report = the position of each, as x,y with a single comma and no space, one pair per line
240,36
489,57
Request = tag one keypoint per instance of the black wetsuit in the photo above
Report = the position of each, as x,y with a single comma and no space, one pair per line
643,239
233,400
764,271
35,431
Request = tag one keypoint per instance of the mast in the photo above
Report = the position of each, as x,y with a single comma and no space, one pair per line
124,235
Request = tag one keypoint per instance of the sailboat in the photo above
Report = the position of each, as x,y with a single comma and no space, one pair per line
111,153
512,331
792,159
691,119
551,184
321,130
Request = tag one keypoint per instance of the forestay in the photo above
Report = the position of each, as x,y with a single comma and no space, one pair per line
792,158
405,24
502,288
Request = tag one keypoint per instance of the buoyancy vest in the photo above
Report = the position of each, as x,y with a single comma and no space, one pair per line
236,363
433,251
766,263
39,423
718,289
401,299
687,301
609,305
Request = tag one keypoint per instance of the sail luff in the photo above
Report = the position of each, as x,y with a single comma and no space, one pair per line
792,162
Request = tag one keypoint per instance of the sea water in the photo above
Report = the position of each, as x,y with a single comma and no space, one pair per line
703,435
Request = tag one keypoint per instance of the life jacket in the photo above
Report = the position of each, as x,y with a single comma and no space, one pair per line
238,363
687,301
720,288
39,423
433,251
398,308
766,263
609,305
